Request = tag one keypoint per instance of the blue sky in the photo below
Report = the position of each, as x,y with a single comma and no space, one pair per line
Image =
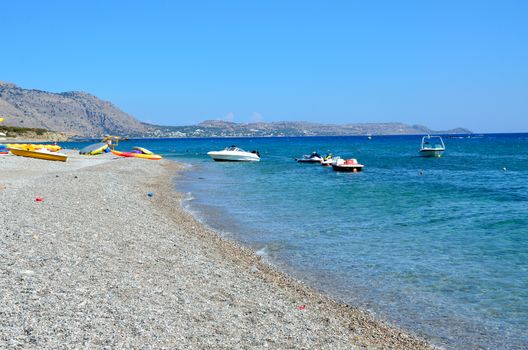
442,64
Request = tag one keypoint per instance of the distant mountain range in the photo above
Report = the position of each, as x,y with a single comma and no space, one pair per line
219,128
85,115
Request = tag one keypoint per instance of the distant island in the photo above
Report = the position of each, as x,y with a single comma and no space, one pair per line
219,128
79,114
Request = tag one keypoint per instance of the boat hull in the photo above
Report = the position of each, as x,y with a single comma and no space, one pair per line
348,168
227,156
431,153
58,157
309,161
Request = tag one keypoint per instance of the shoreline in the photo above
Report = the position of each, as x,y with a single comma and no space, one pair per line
239,254
143,271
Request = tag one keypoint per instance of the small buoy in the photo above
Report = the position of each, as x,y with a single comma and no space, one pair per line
421,172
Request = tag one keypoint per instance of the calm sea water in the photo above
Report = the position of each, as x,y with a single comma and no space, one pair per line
436,246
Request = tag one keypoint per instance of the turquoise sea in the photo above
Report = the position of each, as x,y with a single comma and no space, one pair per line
438,246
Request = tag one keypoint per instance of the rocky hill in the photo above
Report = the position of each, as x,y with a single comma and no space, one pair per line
75,113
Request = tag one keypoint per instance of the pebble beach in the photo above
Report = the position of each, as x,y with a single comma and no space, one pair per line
107,258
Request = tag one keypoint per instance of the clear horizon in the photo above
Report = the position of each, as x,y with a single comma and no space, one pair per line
443,65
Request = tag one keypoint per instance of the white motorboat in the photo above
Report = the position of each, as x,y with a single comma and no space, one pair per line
312,158
432,146
234,154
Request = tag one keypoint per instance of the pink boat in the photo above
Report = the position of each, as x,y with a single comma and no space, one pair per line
349,165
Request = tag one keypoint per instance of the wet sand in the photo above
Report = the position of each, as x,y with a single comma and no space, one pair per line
99,263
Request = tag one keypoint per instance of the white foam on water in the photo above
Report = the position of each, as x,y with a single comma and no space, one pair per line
262,251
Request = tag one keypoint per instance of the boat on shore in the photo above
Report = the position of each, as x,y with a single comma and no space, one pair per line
348,165
93,149
136,155
44,154
34,147
432,146
234,154
142,150
311,158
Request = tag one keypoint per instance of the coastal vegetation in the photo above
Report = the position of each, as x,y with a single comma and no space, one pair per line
37,134
13,131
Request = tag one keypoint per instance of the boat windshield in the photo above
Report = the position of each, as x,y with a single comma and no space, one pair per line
234,148
432,142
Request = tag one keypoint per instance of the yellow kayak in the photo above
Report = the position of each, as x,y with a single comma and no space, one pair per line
41,154
33,147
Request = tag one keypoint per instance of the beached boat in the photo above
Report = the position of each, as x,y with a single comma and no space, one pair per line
312,158
93,149
432,146
39,154
34,147
234,154
348,165
136,155
142,150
